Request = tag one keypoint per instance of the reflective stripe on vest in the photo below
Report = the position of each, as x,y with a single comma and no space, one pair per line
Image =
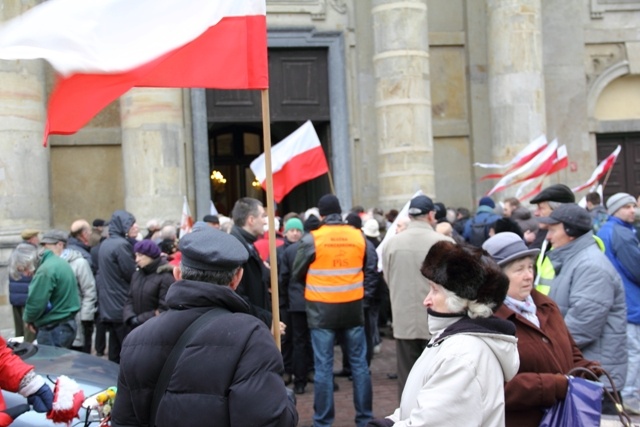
336,276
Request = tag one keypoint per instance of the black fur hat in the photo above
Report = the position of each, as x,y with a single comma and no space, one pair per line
467,271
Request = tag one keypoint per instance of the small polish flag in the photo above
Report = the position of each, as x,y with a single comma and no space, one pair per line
296,159
600,170
186,222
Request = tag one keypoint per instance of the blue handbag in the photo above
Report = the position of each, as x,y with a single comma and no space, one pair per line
581,407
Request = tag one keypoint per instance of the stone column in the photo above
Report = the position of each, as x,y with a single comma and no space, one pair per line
566,86
153,151
25,201
403,100
516,80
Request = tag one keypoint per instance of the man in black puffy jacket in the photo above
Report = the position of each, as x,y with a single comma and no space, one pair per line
228,374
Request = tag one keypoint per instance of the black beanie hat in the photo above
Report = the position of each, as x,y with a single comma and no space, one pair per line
329,204
467,271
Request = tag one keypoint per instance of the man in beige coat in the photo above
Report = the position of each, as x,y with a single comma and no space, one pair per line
401,260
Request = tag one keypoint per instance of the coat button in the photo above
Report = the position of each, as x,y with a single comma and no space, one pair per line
545,340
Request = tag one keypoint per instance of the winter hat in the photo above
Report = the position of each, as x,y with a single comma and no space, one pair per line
213,219
467,271
98,222
618,201
441,211
576,220
421,205
523,217
487,201
371,228
329,204
54,236
555,193
506,247
354,220
293,223
28,233
210,249
507,225
147,247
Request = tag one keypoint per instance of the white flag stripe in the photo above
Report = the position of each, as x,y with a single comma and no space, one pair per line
212,208
599,169
149,29
531,148
531,165
302,139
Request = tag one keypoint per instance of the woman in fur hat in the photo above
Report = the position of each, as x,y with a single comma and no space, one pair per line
459,378
547,350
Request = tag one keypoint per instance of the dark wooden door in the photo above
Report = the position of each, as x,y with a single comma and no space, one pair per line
298,91
625,176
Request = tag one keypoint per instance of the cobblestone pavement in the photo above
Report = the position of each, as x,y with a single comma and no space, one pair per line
385,392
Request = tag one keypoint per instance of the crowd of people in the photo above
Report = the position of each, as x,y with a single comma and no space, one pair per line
489,311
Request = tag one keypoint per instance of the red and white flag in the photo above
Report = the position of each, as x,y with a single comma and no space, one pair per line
186,222
600,170
558,161
523,157
524,172
103,48
296,159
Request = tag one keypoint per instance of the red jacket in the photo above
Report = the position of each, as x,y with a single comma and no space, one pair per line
12,370
545,352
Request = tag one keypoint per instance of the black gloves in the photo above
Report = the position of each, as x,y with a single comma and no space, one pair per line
16,411
41,400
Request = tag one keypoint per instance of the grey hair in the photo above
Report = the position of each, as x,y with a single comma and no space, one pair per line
554,205
473,309
217,277
23,259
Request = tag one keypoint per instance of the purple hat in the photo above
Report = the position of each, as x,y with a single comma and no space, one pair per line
147,247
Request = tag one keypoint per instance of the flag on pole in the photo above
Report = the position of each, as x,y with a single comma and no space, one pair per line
526,171
212,208
600,170
186,222
103,48
296,159
560,161
523,157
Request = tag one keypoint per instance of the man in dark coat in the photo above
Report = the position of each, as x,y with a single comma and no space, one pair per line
228,374
248,223
116,265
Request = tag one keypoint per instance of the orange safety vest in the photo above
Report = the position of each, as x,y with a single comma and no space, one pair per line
336,275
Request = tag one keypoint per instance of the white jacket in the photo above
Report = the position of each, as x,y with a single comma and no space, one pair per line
459,378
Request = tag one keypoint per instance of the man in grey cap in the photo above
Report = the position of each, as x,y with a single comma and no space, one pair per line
401,262
623,250
588,291
228,373
53,293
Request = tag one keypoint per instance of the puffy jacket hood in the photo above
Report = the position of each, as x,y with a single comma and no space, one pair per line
120,223
70,255
497,334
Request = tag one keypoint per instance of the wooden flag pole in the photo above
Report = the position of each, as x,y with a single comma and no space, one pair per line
333,190
266,134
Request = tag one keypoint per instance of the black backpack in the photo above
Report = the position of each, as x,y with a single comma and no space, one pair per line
479,232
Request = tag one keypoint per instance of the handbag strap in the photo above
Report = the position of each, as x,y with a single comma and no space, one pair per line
176,352
625,419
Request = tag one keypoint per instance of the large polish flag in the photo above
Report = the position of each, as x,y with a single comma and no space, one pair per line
103,48
600,170
524,156
527,169
296,159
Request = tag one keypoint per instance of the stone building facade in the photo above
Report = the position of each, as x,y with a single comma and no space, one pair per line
405,95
